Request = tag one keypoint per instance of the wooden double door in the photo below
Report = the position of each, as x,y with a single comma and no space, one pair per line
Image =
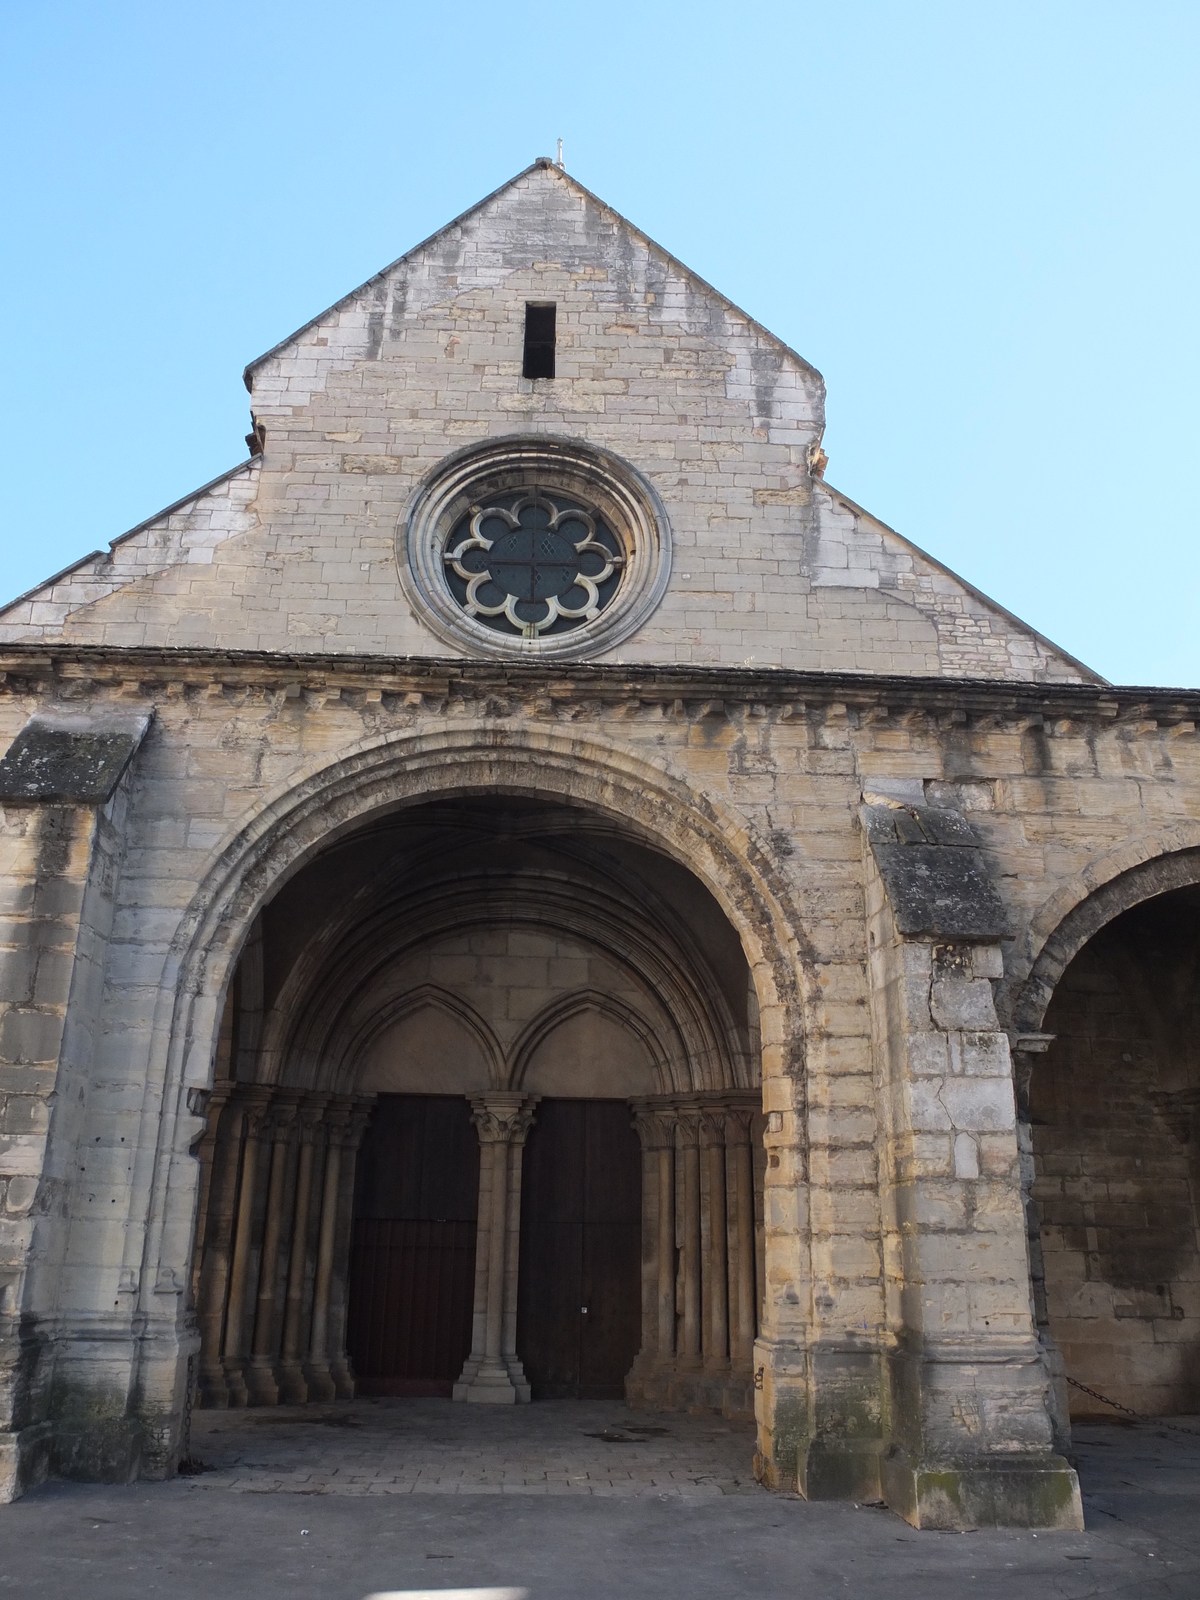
579,1302
412,1269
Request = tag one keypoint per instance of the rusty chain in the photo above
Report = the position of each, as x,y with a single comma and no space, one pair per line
1138,1416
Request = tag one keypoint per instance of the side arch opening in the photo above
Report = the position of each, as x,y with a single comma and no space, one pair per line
1113,1103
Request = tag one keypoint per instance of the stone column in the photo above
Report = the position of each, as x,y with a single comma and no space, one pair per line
293,1389
739,1176
209,1104
261,1380
666,1263
512,1260
317,1374
1026,1048
689,1336
715,1273
225,1119
339,1363
257,1101
492,1373
649,1377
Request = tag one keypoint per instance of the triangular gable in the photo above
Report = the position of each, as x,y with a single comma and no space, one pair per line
543,164
296,550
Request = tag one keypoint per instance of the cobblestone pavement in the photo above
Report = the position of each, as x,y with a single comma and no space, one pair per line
556,1447
257,1528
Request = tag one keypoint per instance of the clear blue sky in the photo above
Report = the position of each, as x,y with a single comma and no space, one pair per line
978,220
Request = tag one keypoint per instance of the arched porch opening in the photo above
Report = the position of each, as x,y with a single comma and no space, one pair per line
486,1120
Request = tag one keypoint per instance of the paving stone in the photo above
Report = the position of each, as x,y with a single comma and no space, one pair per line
437,1447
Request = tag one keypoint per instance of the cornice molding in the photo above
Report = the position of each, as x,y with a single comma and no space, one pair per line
139,673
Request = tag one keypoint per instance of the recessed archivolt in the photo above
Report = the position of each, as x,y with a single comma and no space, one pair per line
640,801
696,1030
387,917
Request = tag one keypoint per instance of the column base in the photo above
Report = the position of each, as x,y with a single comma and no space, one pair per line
1026,1491
319,1381
235,1383
343,1377
293,1390
490,1384
261,1386
520,1382
212,1391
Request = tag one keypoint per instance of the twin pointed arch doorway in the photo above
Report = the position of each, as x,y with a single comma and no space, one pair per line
487,1123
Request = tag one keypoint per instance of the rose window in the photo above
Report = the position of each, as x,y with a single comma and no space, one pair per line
530,564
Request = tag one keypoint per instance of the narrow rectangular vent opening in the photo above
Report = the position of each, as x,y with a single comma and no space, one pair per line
539,341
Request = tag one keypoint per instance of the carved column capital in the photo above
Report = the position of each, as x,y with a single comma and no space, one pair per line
312,1116
655,1124
502,1117
739,1120
348,1117
688,1119
712,1127
339,1118
359,1118
282,1115
256,1100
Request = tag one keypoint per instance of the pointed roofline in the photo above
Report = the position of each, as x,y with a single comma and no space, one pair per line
147,522
1089,672
543,163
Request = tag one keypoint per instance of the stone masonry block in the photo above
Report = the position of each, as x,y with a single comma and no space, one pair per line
962,1003
978,1103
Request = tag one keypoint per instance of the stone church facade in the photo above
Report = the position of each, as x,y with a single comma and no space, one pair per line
522,888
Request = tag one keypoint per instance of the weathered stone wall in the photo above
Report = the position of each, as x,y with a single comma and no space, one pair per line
752,780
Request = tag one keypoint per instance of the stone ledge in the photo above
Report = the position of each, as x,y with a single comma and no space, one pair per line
74,761
934,873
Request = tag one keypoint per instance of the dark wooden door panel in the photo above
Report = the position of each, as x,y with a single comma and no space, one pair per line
549,1340
611,1329
412,1285
412,1270
553,1166
580,1248
612,1164
419,1159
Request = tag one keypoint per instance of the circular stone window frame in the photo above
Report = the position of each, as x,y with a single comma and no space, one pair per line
561,468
